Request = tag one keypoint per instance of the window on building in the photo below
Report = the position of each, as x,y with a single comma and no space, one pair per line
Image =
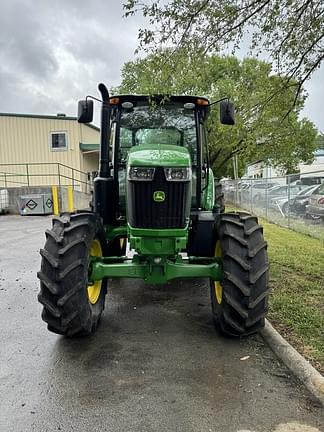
58,141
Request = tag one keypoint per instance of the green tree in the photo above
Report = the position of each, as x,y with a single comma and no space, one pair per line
291,32
260,131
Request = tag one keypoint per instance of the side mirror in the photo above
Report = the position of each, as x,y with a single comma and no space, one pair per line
85,111
227,112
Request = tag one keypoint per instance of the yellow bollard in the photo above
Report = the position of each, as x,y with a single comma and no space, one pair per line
70,199
55,201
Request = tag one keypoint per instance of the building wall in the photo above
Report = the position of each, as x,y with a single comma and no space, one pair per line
315,169
90,161
26,139
260,170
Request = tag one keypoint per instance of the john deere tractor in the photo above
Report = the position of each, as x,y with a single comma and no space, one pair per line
156,192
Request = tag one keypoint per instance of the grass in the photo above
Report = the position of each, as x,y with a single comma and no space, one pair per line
308,227
305,226
297,282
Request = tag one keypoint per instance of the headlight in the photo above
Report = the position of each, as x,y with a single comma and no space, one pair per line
140,173
177,174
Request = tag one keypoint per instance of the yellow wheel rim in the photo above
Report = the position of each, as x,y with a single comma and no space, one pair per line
122,242
94,289
217,285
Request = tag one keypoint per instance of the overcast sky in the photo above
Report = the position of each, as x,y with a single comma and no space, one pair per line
54,52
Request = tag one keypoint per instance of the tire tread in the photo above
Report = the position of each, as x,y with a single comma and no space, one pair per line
245,276
63,275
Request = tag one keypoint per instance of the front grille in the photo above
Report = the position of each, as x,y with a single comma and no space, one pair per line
144,212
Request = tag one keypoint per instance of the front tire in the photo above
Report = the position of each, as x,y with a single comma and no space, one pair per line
240,300
71,305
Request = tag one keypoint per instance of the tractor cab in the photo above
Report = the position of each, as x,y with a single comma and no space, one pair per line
161,138
154,167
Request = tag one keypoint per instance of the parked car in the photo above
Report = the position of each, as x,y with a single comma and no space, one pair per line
315,208
256,191
297,205
279,197
282,203
234,190
280,192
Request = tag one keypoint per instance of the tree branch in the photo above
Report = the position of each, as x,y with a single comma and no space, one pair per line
292,29
300,85
214,156
231,154
191,20
302,58
238,25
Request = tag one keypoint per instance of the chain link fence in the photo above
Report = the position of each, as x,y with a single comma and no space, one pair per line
293,201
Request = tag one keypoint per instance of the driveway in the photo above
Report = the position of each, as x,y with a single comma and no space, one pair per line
155,363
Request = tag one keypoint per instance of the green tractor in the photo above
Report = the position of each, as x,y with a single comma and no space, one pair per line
156,192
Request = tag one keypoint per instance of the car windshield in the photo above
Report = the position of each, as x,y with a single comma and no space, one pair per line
321,189
307,191
167,124
274,188
286,190
263,185
297,189
278,190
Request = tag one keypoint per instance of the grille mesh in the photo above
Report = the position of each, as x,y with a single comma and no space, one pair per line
144,212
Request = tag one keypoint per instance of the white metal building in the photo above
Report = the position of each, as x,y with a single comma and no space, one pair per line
32,146
260,169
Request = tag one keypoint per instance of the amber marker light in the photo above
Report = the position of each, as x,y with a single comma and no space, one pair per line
202,102
114,101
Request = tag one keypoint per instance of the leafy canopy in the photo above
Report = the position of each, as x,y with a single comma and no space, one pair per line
291,32
259,132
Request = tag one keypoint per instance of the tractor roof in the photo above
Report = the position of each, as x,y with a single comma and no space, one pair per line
202,102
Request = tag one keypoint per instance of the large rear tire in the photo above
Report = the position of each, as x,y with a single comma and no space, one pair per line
240,300
71,305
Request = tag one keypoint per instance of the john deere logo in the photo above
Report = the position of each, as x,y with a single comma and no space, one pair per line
159,196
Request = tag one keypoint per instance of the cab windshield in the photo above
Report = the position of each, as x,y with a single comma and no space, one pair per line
153,125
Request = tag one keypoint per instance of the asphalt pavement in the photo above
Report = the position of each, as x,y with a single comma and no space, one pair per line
156,362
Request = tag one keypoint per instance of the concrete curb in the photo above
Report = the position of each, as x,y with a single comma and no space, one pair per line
300,367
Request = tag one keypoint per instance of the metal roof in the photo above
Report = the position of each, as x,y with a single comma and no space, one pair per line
46,117
163,99
172,98
319,152
88,147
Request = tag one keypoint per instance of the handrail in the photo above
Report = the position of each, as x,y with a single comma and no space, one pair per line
42,163
27,175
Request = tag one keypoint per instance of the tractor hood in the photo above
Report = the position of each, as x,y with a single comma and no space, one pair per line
159,156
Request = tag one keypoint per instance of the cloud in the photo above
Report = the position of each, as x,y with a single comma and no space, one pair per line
53,53
25,46
314,103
